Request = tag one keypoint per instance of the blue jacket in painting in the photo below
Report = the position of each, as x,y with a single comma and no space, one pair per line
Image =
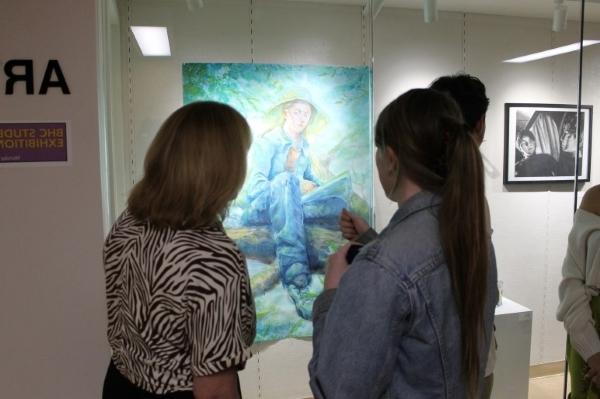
269,154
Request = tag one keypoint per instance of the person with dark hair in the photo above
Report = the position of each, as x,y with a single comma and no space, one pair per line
412,315
568,147
470,95
532,164
181,317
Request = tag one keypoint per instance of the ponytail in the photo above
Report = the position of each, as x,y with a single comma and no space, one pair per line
426,130
464,233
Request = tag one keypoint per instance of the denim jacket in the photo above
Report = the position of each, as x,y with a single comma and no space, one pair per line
269,154
391,329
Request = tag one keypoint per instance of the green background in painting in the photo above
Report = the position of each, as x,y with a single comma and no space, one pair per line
340,145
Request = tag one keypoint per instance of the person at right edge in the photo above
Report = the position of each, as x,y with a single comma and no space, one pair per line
469,93
579,307
412,315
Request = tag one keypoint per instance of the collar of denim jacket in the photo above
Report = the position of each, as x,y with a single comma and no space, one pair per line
303,144
422,200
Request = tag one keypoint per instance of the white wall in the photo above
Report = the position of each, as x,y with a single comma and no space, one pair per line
52,311
530,222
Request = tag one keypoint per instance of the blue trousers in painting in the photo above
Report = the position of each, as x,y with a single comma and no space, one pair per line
286,210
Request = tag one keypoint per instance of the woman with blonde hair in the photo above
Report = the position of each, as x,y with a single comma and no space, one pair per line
181,317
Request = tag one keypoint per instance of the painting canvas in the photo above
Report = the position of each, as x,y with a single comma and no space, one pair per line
541,144
310,158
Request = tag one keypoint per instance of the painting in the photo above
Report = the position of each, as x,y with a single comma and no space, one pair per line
311,156
541,143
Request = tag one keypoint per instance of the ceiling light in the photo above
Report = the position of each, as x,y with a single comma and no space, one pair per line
153,40
430,11
190,4
559,20
552,52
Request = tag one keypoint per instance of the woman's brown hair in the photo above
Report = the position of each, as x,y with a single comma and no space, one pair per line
426,131
194,167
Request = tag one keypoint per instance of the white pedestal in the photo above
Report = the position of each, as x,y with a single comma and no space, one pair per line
513,333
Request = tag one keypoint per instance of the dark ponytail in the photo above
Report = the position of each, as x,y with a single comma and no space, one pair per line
426,131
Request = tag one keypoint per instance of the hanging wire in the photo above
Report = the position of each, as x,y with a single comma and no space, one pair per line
130,93
547,225
464,43
579,90
372,37
251,17
259,379
547,228
363,31
575,172
252,31
368,28
553,59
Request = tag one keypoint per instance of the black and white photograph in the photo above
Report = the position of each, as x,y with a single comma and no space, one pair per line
541,144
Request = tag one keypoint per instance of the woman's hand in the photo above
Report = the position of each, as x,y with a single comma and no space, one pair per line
336,267
352,225
593,373
222,385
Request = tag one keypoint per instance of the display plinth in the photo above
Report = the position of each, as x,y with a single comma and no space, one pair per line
513,334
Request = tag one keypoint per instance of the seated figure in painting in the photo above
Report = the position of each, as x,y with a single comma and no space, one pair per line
531,163
285,194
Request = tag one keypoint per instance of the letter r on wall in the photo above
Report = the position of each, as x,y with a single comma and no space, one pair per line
13,77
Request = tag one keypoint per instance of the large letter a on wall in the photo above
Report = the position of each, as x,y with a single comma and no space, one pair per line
54,66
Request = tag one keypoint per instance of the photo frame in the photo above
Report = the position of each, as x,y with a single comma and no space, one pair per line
540,143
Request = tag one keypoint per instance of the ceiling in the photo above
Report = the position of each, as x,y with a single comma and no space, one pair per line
522,8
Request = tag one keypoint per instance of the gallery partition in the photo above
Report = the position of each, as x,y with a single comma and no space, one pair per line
331,67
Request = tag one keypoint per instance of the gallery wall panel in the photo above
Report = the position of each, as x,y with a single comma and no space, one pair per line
51,277
222,31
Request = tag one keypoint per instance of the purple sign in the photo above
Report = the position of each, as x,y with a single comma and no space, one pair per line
33,142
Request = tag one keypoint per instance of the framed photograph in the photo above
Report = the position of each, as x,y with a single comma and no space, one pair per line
540,143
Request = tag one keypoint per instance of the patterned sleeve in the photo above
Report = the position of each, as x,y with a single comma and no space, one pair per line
221,324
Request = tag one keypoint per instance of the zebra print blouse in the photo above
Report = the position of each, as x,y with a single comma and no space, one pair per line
179,304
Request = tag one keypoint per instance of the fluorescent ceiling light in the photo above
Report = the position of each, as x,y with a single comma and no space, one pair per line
552,52
153,40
